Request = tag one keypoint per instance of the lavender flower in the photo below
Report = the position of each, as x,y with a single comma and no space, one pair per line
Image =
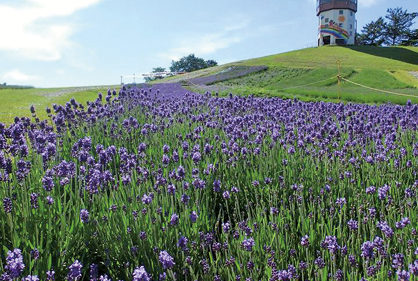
234,189
166,260
34,254
146,199
34,200
94,272
226,226
248,244
182,243
193,216
104,278
14,263
403,223
398,260
50,275
319,262
330,242
196,157
382,192
140,274
74,273
403,275
385,228
305,241
49,200
341,202
84,216
31,278
7,205
339,275
413,268
370,190
174,219
352,225
185,199
367,250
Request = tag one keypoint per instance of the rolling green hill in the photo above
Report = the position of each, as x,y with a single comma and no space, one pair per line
307,74
301,74
388,58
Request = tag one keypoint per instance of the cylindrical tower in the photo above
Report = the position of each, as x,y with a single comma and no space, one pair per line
337,22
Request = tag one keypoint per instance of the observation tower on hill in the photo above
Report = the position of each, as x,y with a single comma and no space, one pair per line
337,22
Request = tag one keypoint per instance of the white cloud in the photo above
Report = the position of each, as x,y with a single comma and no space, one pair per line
16,76
35,28
207,43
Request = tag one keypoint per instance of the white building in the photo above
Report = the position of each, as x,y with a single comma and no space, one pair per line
337,22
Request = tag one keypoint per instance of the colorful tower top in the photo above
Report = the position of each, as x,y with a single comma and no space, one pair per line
337,22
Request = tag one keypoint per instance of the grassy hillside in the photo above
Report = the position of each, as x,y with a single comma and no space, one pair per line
308,74
16,102
299,74
359,57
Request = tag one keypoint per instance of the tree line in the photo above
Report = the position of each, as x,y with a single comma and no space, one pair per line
185,64
392,30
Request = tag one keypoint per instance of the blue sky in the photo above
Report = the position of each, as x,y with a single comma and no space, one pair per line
54,43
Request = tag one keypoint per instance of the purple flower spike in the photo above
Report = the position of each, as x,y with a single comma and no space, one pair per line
248,244
193,216
14,263
74,273
174,219
403,275
305,241
166,260
7,205
31,278
50,275
140,274
226,195
84,215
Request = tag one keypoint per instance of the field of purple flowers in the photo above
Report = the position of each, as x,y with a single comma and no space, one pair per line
161,184
228,74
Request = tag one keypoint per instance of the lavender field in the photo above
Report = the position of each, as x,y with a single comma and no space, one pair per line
158,183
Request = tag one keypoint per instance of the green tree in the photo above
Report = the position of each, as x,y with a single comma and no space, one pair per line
155,70
373,33
398,25
158,69
190,63
412,39
210,63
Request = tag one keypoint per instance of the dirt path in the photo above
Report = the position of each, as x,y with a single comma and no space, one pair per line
414,73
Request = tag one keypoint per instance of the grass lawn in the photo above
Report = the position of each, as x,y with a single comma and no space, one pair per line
16,102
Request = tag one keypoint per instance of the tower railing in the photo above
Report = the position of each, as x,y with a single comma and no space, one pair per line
326,5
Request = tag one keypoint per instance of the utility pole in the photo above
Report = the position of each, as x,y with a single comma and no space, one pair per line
339,80
134,79
121,79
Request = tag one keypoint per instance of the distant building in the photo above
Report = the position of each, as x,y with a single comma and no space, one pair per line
337,22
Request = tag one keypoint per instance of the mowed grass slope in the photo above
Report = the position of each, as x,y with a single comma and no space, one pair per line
300,74
17,102
358,57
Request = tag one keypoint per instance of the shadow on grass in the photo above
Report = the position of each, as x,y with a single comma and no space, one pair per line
394,53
